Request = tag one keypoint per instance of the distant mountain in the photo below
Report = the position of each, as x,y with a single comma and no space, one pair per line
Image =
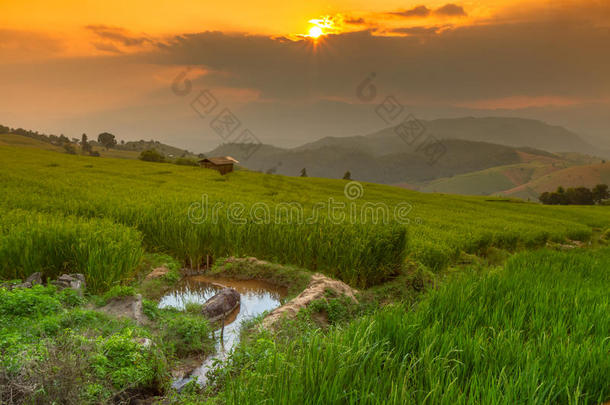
470,145
400,166
516,132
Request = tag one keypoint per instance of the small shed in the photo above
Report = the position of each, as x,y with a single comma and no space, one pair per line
223,164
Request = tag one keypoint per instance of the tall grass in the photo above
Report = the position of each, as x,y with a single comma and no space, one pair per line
156,202
536,332
103,251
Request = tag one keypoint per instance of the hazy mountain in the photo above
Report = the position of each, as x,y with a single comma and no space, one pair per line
468,145
515,132
333,161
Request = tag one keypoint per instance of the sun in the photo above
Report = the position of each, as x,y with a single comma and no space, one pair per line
315,32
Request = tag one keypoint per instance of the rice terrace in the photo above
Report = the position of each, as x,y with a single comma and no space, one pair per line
334,204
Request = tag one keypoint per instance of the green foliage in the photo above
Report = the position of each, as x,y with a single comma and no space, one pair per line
185,334
29,302
151,155
536,330
69,148
103,251
186,162
70,298
53,351
576,196
107,139
124,362
118,291
150,309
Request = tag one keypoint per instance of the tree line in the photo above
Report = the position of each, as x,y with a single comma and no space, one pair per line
576,196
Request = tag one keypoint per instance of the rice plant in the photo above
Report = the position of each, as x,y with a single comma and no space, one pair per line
103,251
536,332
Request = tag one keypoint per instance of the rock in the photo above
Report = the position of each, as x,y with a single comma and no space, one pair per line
221,305
144,342
34,278
157,273
126,307
73,281
27,284
316,289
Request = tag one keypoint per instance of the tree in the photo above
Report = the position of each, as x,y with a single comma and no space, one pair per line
84,143
69,148
579,196
600,193
107,139
151,155
303,172
347,176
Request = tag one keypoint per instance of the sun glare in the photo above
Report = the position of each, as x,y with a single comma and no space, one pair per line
315,32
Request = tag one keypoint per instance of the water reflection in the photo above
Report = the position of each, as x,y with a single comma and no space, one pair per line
256,298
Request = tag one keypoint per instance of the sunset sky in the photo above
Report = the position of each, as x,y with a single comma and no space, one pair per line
91,66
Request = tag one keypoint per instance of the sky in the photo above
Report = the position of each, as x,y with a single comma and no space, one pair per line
152,70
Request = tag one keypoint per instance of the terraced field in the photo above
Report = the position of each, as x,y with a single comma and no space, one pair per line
163,202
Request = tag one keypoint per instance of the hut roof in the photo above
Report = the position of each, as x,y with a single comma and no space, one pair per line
224,160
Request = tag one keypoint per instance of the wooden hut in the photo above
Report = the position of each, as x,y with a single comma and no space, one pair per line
223,164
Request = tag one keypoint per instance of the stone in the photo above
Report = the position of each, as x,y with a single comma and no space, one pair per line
144,342
221,304
34,278
74,281
125,307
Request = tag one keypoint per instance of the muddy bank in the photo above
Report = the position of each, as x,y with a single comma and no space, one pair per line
318,288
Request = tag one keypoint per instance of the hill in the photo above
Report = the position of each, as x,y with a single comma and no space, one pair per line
576,176
497,180
515,132
400,166
167,150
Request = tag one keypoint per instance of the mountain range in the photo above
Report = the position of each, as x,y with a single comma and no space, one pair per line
469,145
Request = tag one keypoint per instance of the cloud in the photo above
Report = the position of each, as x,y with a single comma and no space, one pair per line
355,21
116,39
416,30
451,10
457,64
26,45
416,12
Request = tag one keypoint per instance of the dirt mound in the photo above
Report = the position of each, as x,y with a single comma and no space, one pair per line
316,289
157,273
126,307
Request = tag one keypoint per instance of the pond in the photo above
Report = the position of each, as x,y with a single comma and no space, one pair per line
256,297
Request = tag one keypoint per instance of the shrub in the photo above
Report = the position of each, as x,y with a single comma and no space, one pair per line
186,162
185,334
151,155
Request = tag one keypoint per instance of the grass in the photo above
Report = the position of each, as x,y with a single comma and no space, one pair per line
536,332
105,252
137,195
